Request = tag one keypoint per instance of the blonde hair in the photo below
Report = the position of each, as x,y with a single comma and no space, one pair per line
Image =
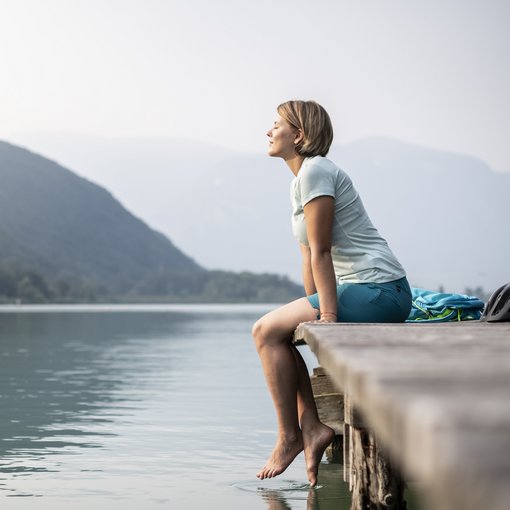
313,121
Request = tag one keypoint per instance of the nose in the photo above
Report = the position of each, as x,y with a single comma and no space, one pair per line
269,133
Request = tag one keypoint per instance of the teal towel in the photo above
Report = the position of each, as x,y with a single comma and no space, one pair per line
430,306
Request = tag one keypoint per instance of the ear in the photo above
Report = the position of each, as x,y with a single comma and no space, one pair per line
299,137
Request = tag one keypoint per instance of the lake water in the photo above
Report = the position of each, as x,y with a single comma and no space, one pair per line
147,407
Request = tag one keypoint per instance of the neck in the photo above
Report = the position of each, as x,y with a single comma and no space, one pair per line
294,163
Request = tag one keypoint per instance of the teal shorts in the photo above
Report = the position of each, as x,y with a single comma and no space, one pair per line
371,302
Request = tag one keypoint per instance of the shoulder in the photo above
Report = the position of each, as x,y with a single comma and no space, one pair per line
320,167
317,176
317,169
317,164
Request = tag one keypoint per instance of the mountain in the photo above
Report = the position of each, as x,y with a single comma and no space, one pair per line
57,228
64,225
225,208
443,214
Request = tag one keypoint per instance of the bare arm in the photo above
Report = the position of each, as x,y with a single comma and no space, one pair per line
307,270
319,223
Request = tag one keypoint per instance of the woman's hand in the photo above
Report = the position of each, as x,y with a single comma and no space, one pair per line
325,318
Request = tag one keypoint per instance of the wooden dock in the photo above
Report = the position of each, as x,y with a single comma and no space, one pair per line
435,396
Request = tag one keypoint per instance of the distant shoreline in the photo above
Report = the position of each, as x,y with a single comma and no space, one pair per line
137,307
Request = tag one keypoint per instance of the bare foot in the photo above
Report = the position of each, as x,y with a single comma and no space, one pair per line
283,454
316,441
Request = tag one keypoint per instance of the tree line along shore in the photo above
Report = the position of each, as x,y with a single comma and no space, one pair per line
166,287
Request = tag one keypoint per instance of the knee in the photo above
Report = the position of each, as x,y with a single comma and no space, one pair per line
261,332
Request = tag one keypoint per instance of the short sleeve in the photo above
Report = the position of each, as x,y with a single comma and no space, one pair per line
316,181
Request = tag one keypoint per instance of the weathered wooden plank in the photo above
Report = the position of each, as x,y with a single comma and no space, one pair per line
322,384
437,396
347,454
330,407
351,414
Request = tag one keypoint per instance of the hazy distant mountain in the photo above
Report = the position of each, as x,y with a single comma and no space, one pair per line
64,226
65,238
228,210
445,215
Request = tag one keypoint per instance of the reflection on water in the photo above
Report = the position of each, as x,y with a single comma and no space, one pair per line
279,494
119,407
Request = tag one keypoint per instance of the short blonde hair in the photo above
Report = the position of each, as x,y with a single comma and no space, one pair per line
314,122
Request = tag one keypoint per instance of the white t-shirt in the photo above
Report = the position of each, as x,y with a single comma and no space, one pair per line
359,252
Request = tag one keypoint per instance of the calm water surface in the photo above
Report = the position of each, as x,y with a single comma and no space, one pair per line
142,407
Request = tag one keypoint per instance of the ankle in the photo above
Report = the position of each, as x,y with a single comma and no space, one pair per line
289,437
317,429
309,419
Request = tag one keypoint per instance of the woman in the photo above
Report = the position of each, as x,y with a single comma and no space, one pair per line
349,273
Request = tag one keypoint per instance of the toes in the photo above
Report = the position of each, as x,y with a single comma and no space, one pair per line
268,472
261,473
276,472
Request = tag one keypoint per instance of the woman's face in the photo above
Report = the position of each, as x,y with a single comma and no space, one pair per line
282,139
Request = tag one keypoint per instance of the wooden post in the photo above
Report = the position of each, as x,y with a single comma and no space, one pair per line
373,481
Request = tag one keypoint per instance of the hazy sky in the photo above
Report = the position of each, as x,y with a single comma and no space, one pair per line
433,72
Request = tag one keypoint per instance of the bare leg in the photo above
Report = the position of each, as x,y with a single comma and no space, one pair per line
287,377
316,435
